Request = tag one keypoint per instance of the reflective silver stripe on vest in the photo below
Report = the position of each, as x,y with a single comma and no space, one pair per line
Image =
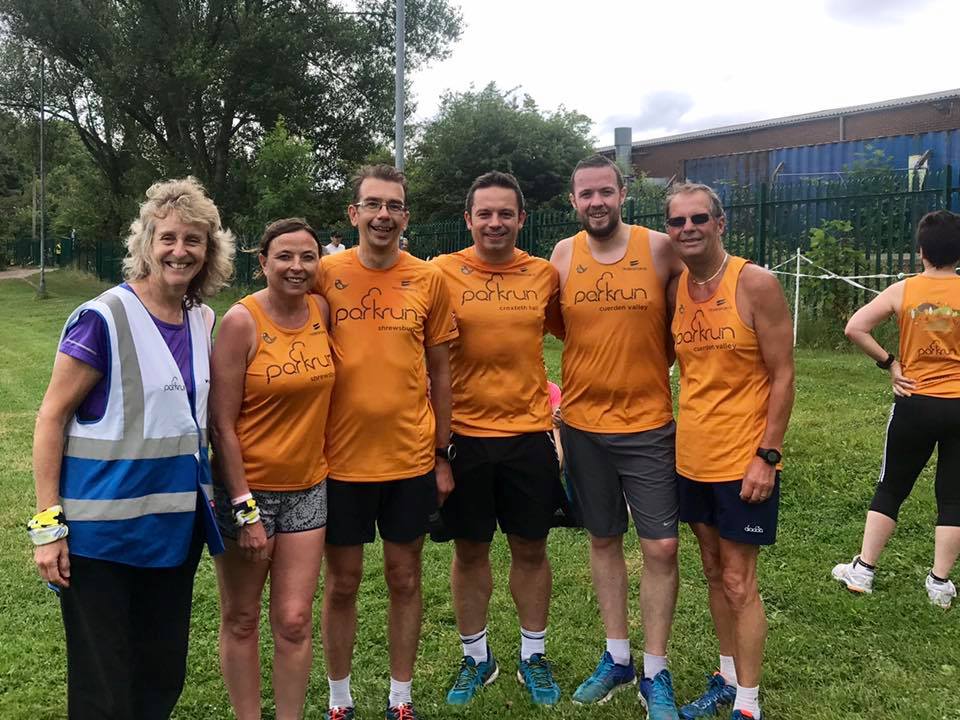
129,508
130,448
131,382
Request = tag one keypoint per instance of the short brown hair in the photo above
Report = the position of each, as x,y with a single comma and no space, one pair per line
282,227
597,161
495,178
378,172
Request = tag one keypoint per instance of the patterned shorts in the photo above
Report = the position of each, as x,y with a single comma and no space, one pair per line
281,511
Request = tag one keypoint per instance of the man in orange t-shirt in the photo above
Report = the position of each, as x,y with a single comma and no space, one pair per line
506,466
734,343
618,430
388,443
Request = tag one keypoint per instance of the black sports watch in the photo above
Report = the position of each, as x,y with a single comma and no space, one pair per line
885,364
771,456
447,453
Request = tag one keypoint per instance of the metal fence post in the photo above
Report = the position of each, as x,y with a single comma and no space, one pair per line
760,240
948,187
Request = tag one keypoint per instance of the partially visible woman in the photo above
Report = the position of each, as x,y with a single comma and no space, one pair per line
120,461
926,409
272,377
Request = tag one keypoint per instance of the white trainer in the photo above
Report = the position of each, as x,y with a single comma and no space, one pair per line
940,594
855,576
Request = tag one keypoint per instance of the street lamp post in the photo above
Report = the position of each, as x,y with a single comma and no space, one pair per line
399,91
42,290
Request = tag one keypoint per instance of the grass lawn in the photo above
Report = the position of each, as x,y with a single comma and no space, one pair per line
829,654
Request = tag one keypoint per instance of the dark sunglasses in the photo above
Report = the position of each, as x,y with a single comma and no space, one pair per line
679,221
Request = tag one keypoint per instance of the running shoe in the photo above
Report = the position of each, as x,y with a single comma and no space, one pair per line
537,677
471,677
719,692
606,680
340,712
403,711
745,715
940,594
657,697
854,575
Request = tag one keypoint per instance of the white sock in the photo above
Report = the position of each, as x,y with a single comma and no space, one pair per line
475,645
532,642
728,669
652,664
619,650
748,699
340,692
399,692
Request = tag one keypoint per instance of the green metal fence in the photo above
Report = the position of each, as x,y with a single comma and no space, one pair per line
766,223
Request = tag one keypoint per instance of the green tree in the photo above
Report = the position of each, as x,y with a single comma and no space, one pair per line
492,129
191,85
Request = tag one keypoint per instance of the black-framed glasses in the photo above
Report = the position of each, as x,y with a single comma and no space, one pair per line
679,221
394,207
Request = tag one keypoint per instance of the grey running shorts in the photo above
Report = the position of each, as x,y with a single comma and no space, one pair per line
610,472
281,511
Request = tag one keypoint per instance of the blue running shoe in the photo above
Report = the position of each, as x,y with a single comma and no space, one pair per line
340,712
537,677
403,711
471,677
745,715
606,680
719,692
657,697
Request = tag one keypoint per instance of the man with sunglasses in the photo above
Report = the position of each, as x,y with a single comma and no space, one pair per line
388,442
618,429
733,339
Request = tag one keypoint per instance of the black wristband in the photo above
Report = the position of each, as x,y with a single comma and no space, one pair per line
885,364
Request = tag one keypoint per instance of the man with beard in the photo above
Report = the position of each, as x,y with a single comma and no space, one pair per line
734,344
618,429
505,468
388,442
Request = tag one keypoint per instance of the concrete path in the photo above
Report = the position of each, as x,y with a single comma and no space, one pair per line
20,273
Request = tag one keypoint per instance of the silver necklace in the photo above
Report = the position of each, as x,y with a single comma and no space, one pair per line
712,277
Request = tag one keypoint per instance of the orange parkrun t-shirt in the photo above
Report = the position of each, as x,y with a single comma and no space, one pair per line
381,424
929,321
724,385
498,378
286,396
615,373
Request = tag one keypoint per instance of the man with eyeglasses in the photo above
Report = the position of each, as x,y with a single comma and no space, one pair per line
733,338
618,429
506,468
388,442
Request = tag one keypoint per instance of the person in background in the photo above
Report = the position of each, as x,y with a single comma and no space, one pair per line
272,378
335,245
120,461
925,375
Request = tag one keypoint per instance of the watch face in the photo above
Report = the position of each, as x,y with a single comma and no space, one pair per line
770,455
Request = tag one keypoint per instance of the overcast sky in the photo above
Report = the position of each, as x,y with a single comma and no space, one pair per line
668,67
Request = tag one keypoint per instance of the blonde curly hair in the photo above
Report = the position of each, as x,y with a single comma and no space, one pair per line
188,198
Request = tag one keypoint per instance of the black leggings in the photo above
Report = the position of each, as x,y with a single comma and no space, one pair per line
918,424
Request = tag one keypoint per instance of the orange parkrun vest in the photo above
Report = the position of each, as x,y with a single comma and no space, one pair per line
615,374
724,385
930,335
286,395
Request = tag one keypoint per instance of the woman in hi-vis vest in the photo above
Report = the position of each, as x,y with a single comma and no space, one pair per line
272,378
120,461
925,374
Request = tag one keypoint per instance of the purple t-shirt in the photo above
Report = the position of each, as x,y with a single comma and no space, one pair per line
88,342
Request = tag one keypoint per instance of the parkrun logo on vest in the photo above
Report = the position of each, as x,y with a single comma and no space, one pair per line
298,363
701,333
370,308
493,290
174,385
934,348
602,292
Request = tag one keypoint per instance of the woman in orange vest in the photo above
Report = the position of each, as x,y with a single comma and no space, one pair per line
272,377
926,408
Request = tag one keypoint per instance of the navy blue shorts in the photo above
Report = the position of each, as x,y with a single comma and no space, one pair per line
718,504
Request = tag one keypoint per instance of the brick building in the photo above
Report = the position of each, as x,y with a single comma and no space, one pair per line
917,116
